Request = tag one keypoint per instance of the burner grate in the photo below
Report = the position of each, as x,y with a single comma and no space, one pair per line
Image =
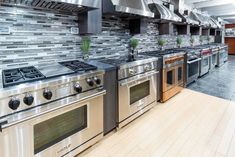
78,66
20,75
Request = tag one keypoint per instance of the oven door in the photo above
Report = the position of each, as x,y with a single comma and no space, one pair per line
193,70
136,93
180,75
56,132
169,78
205,65
214,60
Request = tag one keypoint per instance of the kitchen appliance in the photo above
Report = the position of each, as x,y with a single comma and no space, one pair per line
173,73
137,84
59,114
214,57
206,57
222,55
193,63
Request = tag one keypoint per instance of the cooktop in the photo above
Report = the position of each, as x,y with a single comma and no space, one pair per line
20,75
78,66
120,60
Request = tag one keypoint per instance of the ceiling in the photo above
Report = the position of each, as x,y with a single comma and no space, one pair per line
224,9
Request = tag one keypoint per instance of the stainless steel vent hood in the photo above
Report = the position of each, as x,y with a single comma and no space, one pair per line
60,5
130,7
203,20
162,12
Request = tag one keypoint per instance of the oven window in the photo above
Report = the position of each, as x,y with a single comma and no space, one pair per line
205,62
193,69
180,73
170,78
139,91
56,129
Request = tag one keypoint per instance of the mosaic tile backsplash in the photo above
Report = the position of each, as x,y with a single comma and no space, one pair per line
35,37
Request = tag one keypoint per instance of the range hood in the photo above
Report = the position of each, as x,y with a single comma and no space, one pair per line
188,18
60,5
161,12
203,20
129,7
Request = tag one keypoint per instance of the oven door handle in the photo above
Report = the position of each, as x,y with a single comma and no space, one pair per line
4,123
140,77
190,62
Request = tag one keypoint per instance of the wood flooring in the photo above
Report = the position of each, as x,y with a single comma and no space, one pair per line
191,124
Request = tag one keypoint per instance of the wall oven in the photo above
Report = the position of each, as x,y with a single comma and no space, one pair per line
138,93
173,76
61,128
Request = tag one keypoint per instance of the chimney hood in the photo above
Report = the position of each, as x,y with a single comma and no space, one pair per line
203,20
162,12
129,7
59,5
188,18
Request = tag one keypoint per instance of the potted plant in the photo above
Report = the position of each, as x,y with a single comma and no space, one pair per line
85,47
179,41
133,44
201,40
161,43
192,40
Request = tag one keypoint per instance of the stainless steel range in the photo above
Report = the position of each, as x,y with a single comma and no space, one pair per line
193,63
54,111
223,54
136,86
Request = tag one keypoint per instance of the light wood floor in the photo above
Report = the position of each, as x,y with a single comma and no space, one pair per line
191,124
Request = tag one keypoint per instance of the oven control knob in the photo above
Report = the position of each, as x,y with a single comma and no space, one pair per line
97,80
90,82
78,88
28,99
147,67
132,71
14,103
47,94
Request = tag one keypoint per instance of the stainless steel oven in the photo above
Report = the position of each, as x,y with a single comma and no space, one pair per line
63,128
205,64
214,59
193,67
136,94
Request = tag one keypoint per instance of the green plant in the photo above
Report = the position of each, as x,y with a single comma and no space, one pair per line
201,39
179,41
192,40
161,42
134,43
85,46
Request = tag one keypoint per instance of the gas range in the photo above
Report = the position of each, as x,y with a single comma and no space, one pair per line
66,96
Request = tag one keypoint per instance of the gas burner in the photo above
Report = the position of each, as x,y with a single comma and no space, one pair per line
20,75
121,60
78,66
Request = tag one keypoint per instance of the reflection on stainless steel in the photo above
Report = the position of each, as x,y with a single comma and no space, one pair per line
135,7
59,116
161,12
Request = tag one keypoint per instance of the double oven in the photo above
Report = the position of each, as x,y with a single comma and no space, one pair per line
222,55
173,79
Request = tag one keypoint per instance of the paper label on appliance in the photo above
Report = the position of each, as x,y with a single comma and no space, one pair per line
4,30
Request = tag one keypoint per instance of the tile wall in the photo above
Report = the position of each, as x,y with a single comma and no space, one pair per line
38,37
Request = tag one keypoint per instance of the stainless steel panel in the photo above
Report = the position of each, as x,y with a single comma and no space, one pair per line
20,137
126,109
135,7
